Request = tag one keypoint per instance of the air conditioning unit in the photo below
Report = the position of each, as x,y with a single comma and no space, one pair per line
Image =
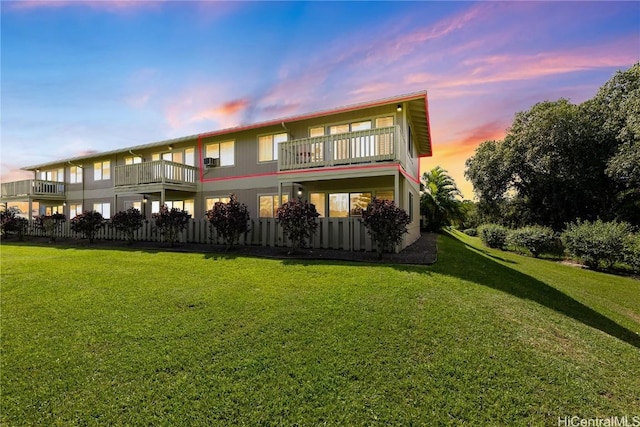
211,162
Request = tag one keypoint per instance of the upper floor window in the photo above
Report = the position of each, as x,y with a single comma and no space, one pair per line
225,151
383,122
102,170
132,160
75,175
268,146
316,131
52,175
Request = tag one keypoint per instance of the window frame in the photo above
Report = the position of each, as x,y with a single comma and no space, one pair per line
99,172
209,146
274,145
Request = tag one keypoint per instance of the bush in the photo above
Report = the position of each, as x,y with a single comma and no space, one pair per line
170,223
493,235
535,238
230,220
128,222
88,223
386,223
49,224
631,253
471,232
11,223
298,220
596,243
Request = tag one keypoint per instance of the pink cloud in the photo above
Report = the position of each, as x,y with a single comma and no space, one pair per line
105,5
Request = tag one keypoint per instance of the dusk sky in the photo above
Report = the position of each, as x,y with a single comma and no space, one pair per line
80,76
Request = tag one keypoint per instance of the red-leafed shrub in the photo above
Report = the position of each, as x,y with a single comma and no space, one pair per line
386,223
128,222
229,220
298,220
170,223
88,223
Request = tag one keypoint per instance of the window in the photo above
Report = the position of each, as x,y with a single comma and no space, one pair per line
409,141
342,205
102,171
316,131
189,157
352,147
384,122
411,207
50,210
269,205
384,195
74,210
103,208
319,200
268,146
185,205
75,175
213,200
134,205
53,175
132,160
225,151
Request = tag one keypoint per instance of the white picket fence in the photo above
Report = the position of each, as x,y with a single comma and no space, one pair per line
333,233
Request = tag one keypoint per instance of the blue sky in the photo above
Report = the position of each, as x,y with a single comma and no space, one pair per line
81,76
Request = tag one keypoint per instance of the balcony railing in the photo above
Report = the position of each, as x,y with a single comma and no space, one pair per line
156,172
364,146
32,187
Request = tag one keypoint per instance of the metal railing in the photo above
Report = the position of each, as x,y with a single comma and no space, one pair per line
155,172
364,146
32,187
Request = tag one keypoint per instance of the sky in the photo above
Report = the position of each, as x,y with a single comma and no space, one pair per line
86,76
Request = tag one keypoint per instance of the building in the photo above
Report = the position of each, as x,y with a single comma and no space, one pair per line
338,159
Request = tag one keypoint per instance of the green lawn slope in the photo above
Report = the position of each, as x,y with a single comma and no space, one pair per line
482,337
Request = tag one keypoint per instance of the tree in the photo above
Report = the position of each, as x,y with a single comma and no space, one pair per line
88,223
386,224
298,220
170,223
439,202
128,222
11,223
230,220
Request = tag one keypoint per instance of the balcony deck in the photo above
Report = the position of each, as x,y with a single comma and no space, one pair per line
366,146
35,188
150,176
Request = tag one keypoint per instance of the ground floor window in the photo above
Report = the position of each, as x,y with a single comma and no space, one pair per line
103,208
75,209
269,205
211,201
343,205
319,200
185,205
50,210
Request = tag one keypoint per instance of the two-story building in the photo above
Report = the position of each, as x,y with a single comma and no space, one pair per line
338,159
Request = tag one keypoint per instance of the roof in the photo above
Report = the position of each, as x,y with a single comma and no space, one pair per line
419,117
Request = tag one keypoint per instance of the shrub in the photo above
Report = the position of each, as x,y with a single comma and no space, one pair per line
631,253
471,232
493,235
128,222
230,220
170,223
535,238
596,243
298,220
386,223
50,225
11,223
88,223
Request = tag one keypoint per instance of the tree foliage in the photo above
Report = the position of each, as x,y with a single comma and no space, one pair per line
12,223
386,224
128,222
298,220
170,223
439,200
87,223
597,243
560,161
230,220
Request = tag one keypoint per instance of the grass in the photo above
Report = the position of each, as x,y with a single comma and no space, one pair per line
482,337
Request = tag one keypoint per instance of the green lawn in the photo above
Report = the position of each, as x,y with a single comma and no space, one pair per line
482,337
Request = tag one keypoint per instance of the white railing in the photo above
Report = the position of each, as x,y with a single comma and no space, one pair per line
333,233
364,146
32,187
155,172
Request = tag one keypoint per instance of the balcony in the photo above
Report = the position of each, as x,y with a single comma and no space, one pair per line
36,188
154,176
366,146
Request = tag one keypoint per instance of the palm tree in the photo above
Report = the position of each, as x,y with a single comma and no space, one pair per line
439,202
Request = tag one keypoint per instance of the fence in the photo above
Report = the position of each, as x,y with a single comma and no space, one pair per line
333,233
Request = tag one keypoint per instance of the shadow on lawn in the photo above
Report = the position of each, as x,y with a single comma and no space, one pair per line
468,263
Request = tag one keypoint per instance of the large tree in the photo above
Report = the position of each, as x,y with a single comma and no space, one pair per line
440,203
555,162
